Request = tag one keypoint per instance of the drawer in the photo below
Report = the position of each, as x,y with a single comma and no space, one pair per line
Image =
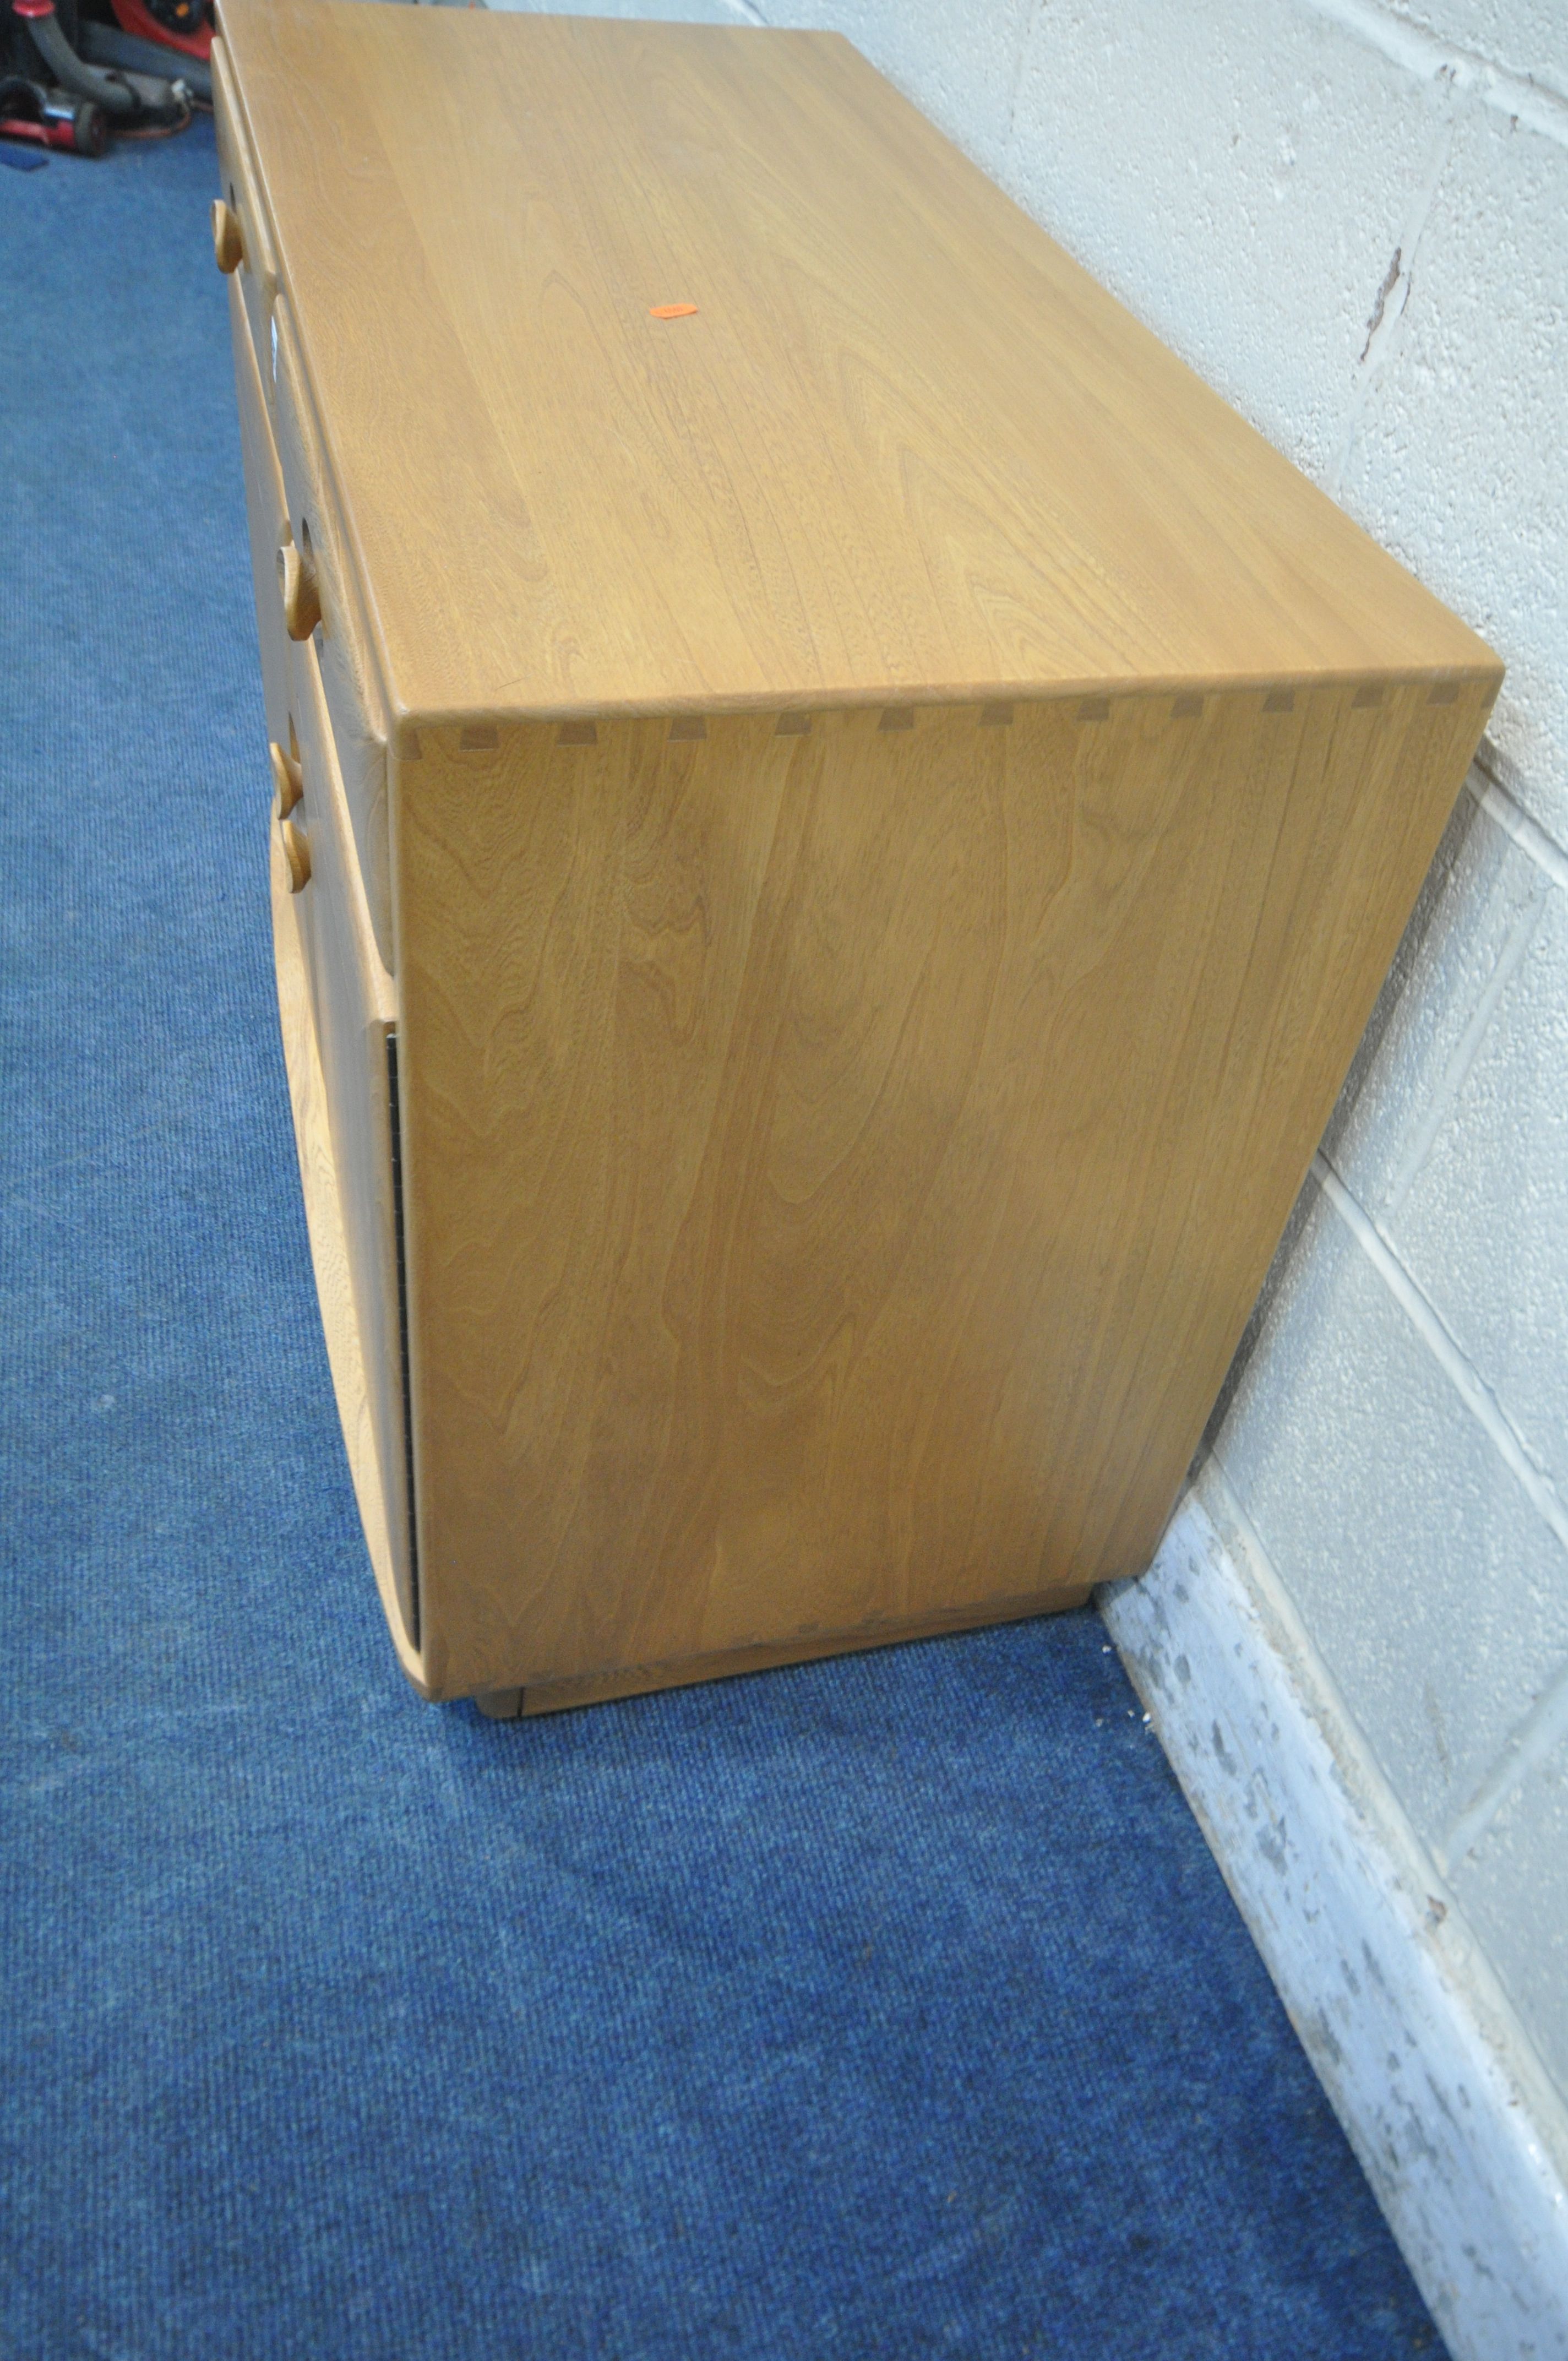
353,700
355,1010
257,277
267,514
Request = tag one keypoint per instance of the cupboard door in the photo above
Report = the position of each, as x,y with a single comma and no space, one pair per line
355,1013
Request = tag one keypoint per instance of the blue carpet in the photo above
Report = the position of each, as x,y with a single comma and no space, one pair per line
886,2007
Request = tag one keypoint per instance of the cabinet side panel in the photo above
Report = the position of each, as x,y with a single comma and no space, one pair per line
1287,883
840,1164
575,923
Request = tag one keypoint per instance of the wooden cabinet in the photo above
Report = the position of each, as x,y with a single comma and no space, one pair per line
854,814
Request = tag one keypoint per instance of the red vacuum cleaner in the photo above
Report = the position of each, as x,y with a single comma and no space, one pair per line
71,80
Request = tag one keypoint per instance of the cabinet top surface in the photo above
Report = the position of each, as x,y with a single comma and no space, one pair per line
904,447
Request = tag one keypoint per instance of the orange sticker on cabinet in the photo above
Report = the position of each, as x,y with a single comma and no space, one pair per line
671,310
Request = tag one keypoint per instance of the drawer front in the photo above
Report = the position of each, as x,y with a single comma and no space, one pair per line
352,701
257,277
267,514
356,1009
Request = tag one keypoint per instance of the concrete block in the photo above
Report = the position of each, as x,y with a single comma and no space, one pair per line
1439,2085
1514,1890
1483,1227
1431,1586
1238,174
1524,36
1456,465
1478,911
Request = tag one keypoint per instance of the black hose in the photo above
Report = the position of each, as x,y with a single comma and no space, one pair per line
118,94
107,46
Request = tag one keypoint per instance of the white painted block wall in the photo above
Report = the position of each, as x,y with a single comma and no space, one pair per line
1352,217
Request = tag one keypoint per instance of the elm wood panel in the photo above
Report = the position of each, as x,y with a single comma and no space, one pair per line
257,277
371,284
329,1250
266,515
839,1167
353,698
564,1696
354,1007
1335,812
905,447
527,1236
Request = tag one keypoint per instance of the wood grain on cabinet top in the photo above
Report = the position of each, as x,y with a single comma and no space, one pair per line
905,448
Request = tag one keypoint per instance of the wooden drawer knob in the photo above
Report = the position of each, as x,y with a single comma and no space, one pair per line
228,244
297,853
297,580
287,778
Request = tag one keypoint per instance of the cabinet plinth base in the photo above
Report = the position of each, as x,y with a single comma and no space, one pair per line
560,1696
